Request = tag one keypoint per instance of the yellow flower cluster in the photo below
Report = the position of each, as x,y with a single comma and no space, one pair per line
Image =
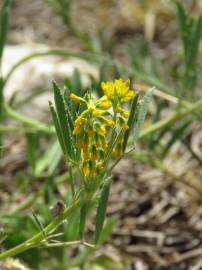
94,124
91,128
118,91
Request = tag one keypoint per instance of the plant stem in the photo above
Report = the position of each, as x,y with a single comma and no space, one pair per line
177,115
29,121
96,58
36,239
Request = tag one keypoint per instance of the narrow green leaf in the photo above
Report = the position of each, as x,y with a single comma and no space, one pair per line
38,223
4,19
177,134
1,112
83,215
107,230
49,160
63,120
195,39
131,120
57,127
101,210
153,139
76,82
192,151
184,26
70,110
1,97
142,111
71,231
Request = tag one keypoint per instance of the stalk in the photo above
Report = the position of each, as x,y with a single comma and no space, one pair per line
37,238
177,115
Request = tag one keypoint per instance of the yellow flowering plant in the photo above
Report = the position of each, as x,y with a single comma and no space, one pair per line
93,133
99,129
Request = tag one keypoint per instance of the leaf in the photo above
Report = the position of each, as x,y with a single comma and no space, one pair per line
63,121
192,151
1,97
153,139
101,210
142,111
76,82
131,120
107,230
72,229
1,112
183,23
83,214
38,223
57,127
4,19
49,160
176,135
195,39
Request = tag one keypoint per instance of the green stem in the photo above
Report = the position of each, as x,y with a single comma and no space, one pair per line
177,115
36,239
29,121
57,52
71,179
5,128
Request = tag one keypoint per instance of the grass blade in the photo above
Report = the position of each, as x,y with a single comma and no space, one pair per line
184,26
1,112
83,214
131,120
49,160
142,113
57,127
4,19
38,223
176,135
63,120
195,39
101,210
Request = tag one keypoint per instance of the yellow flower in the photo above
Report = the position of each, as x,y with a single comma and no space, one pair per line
99,167
91,107
85,154
77,130
125,126
80,120
104,103
94,153
97,112
118,89
102,130
76,98
126,114
107,122
86,170
91,132
117,151
98,143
